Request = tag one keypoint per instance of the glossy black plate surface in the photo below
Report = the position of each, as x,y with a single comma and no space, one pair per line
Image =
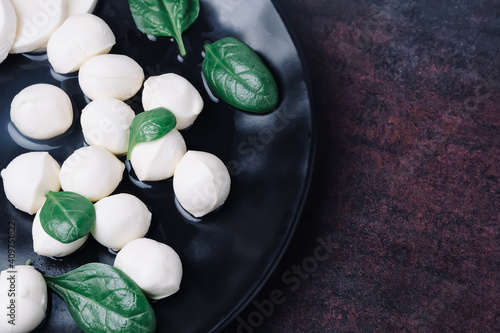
229,254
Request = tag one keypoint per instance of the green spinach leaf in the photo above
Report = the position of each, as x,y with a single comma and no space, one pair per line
67,216
149,126
165,17
237,75
101,298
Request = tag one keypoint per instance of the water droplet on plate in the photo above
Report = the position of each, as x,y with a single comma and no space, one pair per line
36,56
27,143
185,214
62,77
131,176
207,88
113,252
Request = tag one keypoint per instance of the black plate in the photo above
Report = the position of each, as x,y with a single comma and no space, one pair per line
229,254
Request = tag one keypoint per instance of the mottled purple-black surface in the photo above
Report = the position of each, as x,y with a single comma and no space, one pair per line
406,183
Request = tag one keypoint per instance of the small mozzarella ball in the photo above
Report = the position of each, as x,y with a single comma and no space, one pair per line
111,76
41,111
154,266
106,123
156,160
201,182
92,172
36,21
120,218
46,245
174,93
8,26
28,178
80,6
27,288
78,39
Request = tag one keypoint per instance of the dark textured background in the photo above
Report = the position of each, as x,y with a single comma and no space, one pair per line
406,178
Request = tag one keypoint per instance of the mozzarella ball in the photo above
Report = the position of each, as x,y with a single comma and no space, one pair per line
120,218
156,160
80,6
174,93
36,21
8,26
106,123
78,39
46,245
28,178
41,111
110,76
92,172
201,183
30,299
154,266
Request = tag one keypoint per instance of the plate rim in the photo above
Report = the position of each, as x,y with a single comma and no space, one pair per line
298,211
309,157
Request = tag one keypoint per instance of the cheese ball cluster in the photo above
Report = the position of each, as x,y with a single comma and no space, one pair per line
78,41
28,25
71,36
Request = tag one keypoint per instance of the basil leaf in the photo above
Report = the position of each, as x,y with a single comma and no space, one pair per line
67,216
165,17
101,298
236,74
149,126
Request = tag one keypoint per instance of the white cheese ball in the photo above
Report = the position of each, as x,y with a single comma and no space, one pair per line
78,39
156,160
120,218
46,245
36,21
174,93
154,266
28,178
30,299
80,6
92,172
8,26
106,123
41,111
201,183
110,76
